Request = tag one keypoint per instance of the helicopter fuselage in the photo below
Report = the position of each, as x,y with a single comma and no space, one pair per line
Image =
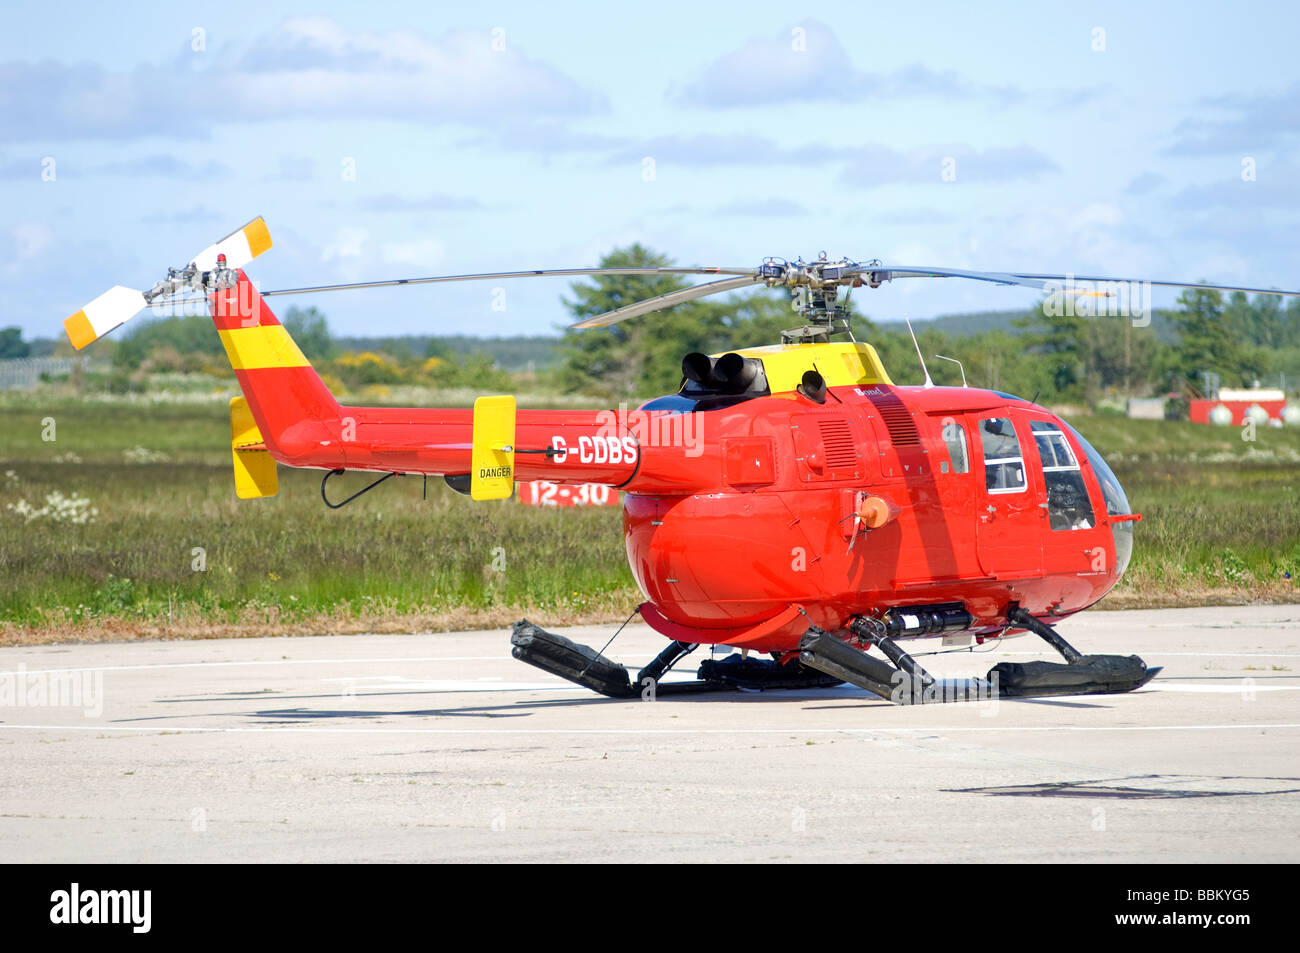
990,501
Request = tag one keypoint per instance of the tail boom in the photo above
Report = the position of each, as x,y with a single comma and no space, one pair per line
303,425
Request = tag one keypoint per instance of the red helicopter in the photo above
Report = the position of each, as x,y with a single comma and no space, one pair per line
789,499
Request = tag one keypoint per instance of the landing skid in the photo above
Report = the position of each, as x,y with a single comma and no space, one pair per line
584,666
826,661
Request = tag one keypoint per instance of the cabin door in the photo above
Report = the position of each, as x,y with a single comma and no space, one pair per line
1009,522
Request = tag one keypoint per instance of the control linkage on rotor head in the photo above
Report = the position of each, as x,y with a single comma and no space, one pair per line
815,294
190,278
821,273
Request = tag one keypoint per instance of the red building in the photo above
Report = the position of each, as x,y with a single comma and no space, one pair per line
1238,402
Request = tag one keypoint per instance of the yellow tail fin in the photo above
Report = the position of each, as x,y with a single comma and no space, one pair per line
255,473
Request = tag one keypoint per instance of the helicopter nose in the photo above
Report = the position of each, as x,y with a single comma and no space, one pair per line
1117,504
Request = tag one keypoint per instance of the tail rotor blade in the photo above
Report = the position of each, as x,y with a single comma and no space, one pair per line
240,246
118,305
114,307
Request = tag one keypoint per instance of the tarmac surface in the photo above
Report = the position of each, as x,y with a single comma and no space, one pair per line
444,748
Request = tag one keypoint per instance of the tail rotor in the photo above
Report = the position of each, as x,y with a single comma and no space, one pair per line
210,269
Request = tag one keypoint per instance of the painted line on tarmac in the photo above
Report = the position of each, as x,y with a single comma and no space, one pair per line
286,661
792,731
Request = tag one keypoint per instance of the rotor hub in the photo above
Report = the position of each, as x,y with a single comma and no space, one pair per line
814,292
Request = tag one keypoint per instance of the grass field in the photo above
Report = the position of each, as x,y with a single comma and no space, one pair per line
171,553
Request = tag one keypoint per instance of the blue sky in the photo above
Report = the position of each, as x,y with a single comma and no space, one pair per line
772,132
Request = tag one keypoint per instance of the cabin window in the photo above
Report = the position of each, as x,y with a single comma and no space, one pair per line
954,438
1068,506
1004,467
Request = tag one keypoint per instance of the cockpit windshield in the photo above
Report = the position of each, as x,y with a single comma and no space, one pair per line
1116,502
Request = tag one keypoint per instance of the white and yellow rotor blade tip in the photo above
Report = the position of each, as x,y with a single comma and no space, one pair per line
112,308
240,246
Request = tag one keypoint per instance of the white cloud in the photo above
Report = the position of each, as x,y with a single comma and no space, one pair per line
1240,124
808,63
304,68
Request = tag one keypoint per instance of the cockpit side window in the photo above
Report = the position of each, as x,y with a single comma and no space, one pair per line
1068,506
954,439
1004,466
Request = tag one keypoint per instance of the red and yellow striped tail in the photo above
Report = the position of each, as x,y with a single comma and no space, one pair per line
297,416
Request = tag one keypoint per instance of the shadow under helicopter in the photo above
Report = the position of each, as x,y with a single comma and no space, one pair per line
1198,786
839,698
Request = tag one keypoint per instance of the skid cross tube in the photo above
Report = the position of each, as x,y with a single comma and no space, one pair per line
872,632
665,660
1044,631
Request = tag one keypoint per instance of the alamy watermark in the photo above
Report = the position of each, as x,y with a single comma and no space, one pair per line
1080,297
653,429
912,690
76,688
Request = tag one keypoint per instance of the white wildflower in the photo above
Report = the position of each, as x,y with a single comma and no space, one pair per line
144,455
59,508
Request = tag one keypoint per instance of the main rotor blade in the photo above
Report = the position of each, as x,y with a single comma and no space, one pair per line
664,301
1041,281
1163,284
538,273
890,272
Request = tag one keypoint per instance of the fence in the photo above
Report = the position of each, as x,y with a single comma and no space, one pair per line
24,373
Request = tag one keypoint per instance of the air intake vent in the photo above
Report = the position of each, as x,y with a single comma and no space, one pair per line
837,443
902,429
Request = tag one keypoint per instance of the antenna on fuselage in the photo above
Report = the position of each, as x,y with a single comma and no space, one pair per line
928,382
959,365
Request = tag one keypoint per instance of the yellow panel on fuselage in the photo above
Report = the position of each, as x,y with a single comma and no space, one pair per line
841,363
492,458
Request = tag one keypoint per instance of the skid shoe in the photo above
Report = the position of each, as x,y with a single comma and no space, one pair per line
578,663
585,666
1080,675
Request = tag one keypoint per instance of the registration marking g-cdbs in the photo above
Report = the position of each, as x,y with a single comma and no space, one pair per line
597,449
